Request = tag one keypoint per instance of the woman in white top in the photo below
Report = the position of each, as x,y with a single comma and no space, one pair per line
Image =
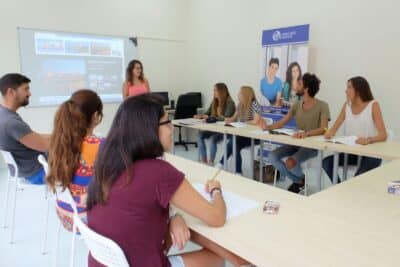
362,117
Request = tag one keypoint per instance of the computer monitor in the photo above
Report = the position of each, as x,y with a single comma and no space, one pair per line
164,97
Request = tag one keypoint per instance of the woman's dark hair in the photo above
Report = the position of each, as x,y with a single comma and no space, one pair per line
73,119
311,82
218,105
133,136
129,69
273,60
361,87
289,76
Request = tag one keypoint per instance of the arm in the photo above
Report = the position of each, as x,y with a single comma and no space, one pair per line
320,130
35,141
279,124
189,200
340,119
256,120
125,90
380,126
147,84
205,115
233,118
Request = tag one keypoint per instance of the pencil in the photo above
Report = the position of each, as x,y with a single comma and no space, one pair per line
216,174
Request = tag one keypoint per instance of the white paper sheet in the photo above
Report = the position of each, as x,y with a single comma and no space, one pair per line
235,204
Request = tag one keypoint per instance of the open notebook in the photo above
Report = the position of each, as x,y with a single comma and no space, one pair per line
345,140
236,124
284,131
189,121
235,204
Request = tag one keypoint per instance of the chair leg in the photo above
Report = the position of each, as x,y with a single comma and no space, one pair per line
57,243
71,264
275,176
305,186
46,225
14,211
6,202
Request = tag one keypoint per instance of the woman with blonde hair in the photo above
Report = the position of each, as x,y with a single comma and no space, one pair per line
248,111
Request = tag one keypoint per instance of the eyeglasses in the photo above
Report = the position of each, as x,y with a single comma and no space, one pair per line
167,122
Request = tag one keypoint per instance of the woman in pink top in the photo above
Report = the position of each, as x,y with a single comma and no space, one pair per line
135,83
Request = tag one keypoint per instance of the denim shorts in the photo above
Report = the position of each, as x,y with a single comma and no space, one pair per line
176,261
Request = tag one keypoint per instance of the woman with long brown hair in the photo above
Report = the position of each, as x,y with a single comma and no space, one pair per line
73,149
221,107
361,116
135,82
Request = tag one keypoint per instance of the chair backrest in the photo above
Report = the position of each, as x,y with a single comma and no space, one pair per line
10,161
197,101
102,249
186,106
42,160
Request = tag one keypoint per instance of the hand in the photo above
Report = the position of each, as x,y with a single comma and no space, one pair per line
228,120
262,124
300,135
197,117
204,117
328,135
362,141
179,232
211,184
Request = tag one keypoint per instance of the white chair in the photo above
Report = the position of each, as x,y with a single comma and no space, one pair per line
102,249
20,183
65,196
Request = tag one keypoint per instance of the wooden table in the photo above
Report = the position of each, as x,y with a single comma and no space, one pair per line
352,224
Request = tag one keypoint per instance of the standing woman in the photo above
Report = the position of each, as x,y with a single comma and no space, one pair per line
292,83
135,82
362,117
221,107
73,149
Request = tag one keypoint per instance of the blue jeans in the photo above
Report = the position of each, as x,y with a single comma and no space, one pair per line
367,164
241,142
300,154
37,178
214,139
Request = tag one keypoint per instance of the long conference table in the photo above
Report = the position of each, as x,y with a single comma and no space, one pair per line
354,223
388,150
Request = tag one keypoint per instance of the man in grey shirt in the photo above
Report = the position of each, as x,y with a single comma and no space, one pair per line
16,136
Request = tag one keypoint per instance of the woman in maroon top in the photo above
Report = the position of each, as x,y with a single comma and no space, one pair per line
132,189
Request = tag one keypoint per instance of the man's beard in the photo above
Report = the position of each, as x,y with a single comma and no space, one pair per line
24,103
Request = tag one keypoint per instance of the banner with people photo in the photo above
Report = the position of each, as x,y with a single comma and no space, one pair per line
284,59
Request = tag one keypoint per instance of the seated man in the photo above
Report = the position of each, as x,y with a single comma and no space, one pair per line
312,116
16,136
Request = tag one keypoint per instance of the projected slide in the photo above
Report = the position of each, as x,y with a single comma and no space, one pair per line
60,63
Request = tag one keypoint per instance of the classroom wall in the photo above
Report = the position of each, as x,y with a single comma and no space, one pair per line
348,38
159,24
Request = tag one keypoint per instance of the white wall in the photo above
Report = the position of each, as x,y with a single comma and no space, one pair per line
348,38
151,19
